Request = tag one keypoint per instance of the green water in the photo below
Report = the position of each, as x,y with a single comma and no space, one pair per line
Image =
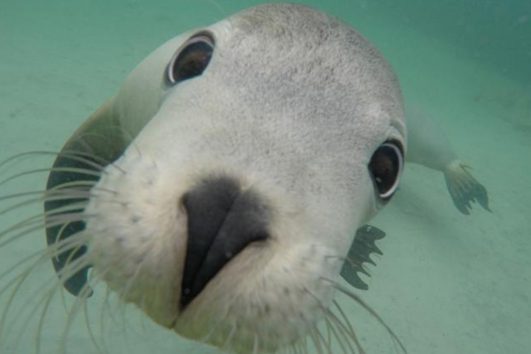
448,283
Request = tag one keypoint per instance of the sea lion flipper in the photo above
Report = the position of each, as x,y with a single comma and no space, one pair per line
359,253
95,144
464,188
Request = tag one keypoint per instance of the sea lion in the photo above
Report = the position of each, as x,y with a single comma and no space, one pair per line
221,188
429,146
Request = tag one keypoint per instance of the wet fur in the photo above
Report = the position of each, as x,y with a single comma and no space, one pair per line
314,177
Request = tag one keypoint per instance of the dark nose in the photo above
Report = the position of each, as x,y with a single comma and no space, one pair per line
222,220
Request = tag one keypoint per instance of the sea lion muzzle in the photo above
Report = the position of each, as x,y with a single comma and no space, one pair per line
222,221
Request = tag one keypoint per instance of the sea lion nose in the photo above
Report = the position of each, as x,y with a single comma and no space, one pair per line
222,220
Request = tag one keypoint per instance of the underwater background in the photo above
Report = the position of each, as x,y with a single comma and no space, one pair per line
447,283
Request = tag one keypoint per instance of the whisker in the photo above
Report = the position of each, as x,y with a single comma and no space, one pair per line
110,313
373,313
103,162
128,137
315,340
328,331
76,156
97,162
74,310
89,328
67,185
42,216
13,267
62,210
327,343
16,283
343,334
64,153
60,237
44,255
297,346
39,192
7,286
58,193
72,266
120,294
213,328
125,290
28,224
52,221
63,196
82,171
329,339
255,344
352,262
49,297
350,328
31,312
305,345
66,214
49,196
229,338
21,155
333,333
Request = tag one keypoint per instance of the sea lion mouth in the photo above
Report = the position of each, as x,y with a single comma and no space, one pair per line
223,219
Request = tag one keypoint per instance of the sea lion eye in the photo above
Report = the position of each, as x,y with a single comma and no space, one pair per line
385,167
191,59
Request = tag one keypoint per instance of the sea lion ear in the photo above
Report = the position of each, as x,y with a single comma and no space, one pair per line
98,142
359,253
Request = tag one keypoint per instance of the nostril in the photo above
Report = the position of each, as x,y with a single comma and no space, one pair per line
222,221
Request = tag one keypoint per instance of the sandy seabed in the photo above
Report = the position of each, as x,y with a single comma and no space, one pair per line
447,283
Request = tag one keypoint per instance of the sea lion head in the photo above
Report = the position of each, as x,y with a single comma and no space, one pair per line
245,155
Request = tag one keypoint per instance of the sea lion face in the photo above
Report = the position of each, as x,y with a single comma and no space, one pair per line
229,215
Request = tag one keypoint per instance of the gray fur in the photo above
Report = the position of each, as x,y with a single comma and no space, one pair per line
292,106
